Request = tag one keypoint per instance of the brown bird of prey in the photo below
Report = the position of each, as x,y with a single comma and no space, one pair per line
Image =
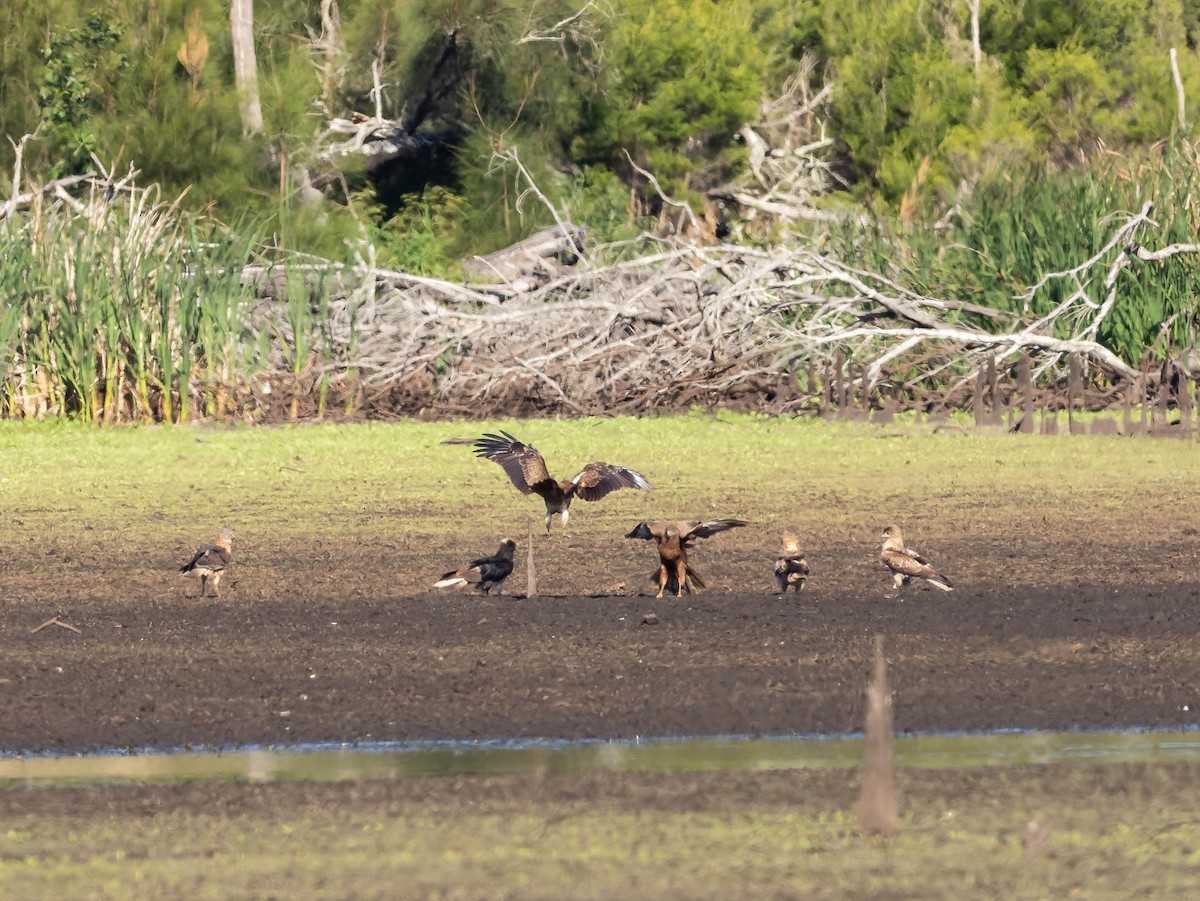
674,539
905,564
527,470
486,573
791,567
210,560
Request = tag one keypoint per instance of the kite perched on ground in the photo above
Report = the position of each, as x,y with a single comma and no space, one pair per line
486,572
527,470
674,539
905,564
791,568
210,561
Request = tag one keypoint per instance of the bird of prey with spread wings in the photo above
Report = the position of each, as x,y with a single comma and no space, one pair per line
906,564
210,560
527,470
791,568
486,572
673,540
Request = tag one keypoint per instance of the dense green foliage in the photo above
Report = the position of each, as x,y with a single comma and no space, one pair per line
1016,230
1067,118
669,83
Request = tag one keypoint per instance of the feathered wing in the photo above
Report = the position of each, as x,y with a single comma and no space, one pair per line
690,530
211,557
648,530
524,465
687,530
598,479
911,564
485,571
791,569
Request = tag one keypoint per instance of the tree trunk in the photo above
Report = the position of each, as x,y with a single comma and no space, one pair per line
245,66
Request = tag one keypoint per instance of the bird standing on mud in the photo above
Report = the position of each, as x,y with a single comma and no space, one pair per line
210,561
791,568
673,540
486,572
905,564
527,470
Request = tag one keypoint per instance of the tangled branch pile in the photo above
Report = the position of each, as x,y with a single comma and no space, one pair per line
138,315
681,326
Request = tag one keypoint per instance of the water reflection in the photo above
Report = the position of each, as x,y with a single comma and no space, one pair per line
423,759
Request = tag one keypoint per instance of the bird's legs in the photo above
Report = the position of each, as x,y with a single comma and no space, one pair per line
216,580
898,582
680,576
662,579
203,585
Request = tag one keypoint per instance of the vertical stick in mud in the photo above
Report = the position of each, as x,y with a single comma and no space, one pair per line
877,813
530,575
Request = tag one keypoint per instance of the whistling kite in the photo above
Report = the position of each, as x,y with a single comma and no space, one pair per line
527,470
791,568
906,564
673,539
486,572
210,560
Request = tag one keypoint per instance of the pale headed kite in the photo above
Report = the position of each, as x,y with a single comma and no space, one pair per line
906,565
210,560
791,568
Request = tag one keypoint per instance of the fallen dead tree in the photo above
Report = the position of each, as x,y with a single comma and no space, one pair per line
683,326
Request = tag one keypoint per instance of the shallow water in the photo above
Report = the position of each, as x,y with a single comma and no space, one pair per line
382,760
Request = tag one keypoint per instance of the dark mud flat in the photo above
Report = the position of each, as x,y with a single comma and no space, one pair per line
286,658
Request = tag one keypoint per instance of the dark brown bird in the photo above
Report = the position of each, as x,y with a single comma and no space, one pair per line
673,540
906,565
210,561
527,470
791,568
486,572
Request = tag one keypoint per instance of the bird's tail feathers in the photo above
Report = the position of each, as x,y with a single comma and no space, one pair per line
940,581
449,579
690,580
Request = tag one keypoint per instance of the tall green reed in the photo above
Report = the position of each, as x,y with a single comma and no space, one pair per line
1015,230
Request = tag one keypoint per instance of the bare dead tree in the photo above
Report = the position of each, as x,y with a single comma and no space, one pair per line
245,64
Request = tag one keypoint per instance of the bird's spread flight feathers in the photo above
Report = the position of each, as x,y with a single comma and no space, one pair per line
527,471
596,480
687,530
522,462
673,539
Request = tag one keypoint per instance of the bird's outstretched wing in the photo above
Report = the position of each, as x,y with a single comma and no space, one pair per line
596,480
690,530
524,465
648,530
